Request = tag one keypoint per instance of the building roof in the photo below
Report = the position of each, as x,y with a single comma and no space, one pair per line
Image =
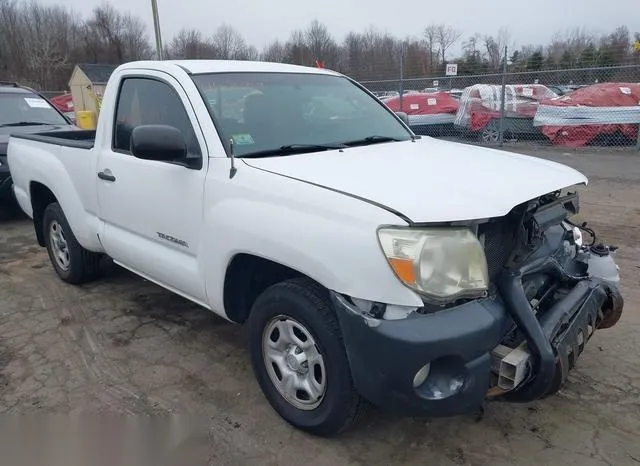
97,74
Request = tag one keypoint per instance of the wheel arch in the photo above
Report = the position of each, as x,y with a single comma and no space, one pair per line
41,196
246,277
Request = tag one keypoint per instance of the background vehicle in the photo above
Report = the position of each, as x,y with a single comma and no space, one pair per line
479,111
429,114
606,113
368,263
64,103
22,110
564,89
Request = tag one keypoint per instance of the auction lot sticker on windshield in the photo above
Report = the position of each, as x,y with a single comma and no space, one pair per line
243,139
36,103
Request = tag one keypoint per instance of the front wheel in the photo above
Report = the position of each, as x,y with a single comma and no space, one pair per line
299,359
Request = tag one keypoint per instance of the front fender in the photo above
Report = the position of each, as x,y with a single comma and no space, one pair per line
324,235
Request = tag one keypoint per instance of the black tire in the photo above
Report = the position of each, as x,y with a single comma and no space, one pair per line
309,304
83,265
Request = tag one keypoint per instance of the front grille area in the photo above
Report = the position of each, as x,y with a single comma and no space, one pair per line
499,240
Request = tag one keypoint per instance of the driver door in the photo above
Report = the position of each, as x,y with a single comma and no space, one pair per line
151,211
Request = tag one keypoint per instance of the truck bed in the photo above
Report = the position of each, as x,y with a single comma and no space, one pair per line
79,139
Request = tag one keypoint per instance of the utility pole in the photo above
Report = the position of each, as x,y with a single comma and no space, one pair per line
156,27
503,96
401,89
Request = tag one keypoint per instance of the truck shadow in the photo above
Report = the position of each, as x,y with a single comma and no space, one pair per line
150,304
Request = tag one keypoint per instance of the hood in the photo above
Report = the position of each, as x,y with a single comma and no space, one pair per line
429,180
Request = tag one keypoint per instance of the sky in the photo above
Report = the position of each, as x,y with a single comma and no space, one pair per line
260,21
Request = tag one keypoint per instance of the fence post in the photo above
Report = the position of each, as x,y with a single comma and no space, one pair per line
503,92
401,87
638,141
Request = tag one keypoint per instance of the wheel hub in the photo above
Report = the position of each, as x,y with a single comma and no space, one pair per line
59,246
294,362
296,359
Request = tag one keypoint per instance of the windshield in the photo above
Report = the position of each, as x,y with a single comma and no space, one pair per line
264,113
16,108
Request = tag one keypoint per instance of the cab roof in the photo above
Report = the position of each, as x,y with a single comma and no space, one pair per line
225,66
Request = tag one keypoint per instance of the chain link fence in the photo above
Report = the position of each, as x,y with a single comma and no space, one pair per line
573,108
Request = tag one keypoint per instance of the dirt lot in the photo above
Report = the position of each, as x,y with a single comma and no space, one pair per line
123,345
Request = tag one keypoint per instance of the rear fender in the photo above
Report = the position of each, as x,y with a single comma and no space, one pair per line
34,162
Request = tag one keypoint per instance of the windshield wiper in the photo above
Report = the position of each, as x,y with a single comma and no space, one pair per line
293,149
24,123
375,139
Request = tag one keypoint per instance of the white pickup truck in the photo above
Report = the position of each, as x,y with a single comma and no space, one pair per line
370,264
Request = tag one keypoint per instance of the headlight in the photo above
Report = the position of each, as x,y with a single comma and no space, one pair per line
442,264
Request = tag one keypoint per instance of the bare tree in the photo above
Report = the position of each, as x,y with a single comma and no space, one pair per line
471,47
12,50
105,26
135,40
320,43
47,42
473,60
296,49
250,53
40,45
190,44
274,52
494,47
617,45
115,38
352,57
431,41
40,40
446,36
230,45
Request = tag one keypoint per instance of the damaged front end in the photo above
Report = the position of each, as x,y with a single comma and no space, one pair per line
547,292
557,290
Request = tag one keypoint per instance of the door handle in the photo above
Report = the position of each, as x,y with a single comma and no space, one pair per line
106,176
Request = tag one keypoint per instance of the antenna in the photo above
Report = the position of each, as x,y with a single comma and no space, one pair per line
233,170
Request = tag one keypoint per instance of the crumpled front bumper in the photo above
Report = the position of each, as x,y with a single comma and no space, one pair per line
385,355
457,343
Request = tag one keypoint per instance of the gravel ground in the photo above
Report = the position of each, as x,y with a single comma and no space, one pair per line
124,346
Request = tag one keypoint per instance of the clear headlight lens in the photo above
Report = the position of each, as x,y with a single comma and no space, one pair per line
442,264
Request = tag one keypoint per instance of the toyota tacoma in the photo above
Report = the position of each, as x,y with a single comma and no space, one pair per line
368,263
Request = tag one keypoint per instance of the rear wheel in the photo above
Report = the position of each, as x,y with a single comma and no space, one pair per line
299,359
72,262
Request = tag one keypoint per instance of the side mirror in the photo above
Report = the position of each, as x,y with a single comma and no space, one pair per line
404,117
158,142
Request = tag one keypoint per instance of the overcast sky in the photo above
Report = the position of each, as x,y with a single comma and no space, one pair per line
260,21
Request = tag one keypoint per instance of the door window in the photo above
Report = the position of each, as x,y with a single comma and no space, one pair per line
144,101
